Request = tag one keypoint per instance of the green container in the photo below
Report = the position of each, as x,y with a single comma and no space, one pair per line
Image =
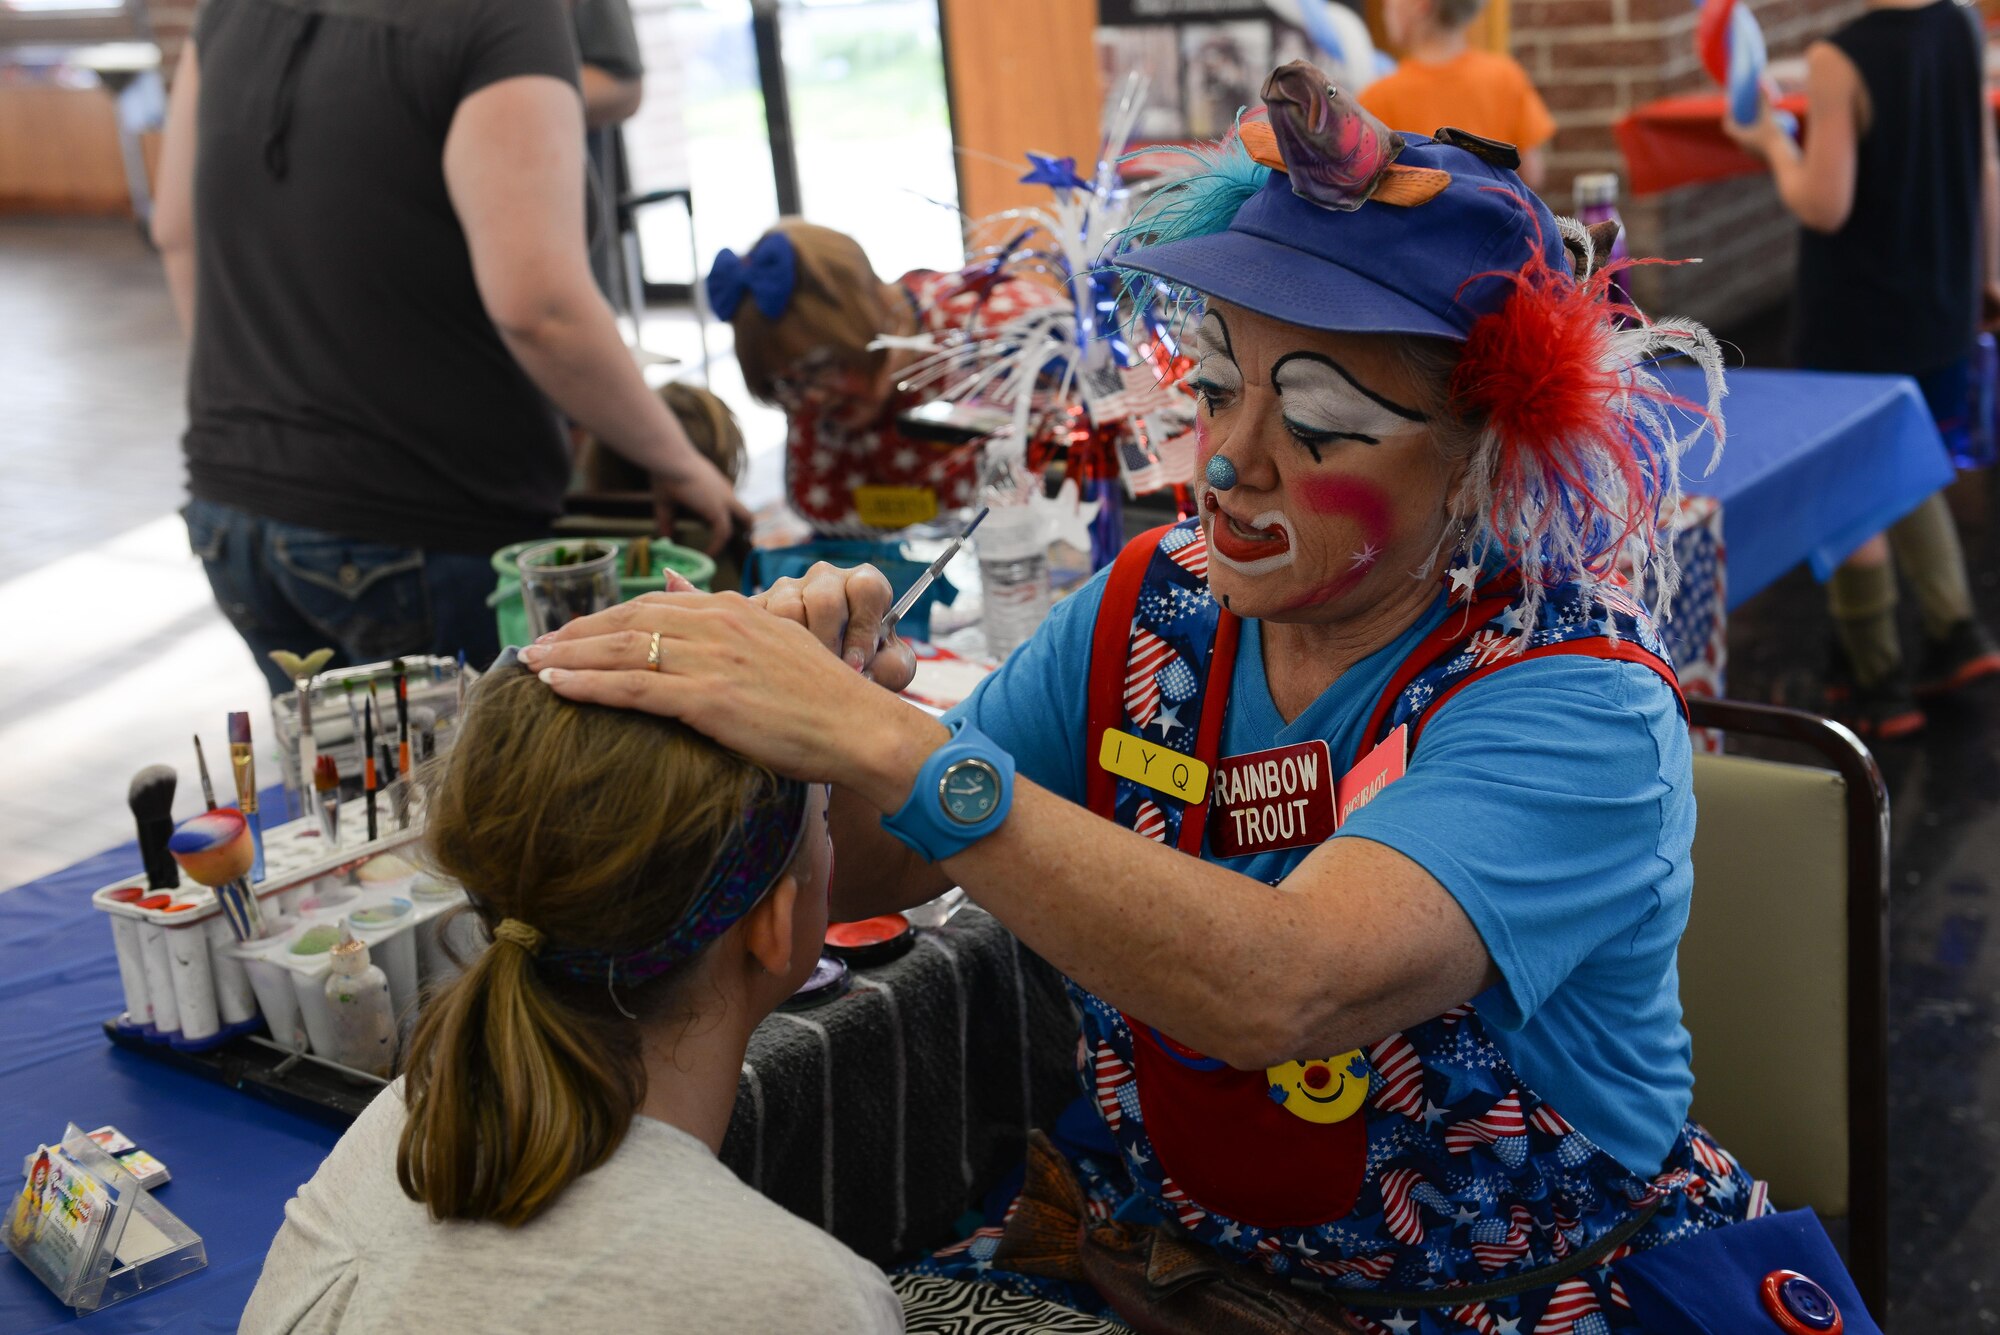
505,600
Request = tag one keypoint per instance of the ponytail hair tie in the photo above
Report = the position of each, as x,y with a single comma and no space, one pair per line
516,932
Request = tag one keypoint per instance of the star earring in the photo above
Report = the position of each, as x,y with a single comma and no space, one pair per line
1221,473
1463,573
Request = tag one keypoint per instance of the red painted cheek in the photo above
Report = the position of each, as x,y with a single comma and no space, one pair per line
1350,498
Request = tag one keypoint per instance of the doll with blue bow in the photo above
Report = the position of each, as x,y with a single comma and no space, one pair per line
821,336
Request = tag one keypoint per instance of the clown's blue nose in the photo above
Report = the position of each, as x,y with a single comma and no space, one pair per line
1221,473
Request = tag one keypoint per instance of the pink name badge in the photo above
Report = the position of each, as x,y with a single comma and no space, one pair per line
1377,770
1268,800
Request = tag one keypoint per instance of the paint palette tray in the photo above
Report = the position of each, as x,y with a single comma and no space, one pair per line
191,986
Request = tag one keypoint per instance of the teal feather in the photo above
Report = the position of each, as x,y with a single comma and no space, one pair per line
1201,203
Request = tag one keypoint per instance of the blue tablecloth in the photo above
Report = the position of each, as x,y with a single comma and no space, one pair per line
58,980
1814,465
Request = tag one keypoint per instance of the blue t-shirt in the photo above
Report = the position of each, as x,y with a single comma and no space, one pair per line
1553,800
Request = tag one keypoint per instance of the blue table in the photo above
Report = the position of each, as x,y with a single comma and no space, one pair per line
1814,465
58,980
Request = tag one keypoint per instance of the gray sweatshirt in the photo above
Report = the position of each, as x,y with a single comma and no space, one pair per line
661,1237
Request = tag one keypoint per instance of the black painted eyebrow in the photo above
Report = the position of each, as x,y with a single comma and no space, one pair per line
1407,414
1222,324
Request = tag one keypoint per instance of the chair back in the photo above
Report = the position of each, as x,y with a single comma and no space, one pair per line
1784,971
1764,973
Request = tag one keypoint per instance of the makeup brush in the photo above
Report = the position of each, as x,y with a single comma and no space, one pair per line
368,762
423,721
152,799
302,671
243,763
326,799
402,721
216,849
399,796
201,764
353,714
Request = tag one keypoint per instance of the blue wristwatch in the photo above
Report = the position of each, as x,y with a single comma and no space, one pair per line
961,795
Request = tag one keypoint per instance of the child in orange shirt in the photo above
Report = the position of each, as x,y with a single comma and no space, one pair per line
1444,81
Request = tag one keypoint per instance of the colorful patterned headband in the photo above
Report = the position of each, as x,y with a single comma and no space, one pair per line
769,837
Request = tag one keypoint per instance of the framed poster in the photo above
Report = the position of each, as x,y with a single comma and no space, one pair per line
1223,66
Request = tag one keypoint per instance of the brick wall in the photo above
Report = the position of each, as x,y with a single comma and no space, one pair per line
1594,60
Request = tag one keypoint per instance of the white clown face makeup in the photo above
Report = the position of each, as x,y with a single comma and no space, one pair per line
1338,490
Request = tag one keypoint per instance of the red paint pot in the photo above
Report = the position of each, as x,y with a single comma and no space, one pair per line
869,941
153,902
126,894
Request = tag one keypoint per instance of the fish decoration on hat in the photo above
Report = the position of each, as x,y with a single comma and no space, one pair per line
1338,154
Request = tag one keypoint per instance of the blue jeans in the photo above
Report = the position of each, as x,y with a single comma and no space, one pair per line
284,586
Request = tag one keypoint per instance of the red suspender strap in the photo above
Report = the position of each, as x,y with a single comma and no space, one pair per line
1624,651
1456,626
1462,625
1110,646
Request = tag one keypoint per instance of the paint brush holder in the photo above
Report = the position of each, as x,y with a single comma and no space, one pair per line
190,984
557,594
433,685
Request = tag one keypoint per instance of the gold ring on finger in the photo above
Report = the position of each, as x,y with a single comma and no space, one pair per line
653,654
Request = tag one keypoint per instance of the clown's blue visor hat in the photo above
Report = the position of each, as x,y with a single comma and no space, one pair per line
1382,268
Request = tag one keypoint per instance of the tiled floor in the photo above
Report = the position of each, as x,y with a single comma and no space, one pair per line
112,652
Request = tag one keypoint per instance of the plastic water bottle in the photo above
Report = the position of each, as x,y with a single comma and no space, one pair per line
1013,555
1596,202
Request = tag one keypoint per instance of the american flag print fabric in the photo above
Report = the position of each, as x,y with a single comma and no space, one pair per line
1149,655
1163,695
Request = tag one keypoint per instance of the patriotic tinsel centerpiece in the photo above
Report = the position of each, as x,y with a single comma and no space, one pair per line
1093,383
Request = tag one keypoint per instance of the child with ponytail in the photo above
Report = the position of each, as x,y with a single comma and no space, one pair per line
547,1161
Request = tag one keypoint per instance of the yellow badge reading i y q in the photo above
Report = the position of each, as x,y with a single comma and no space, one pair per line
1321,1091
1160,768
895,507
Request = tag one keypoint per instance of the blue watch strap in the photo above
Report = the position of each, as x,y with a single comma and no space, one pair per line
924,824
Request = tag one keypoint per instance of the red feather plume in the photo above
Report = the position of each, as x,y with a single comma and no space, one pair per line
1575,474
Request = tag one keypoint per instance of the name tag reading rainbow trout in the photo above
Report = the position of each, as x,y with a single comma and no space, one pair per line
1160,768
1268,800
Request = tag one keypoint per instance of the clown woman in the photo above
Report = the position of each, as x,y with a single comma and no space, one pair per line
1398,1053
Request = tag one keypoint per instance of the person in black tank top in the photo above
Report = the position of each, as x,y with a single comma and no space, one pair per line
1897,189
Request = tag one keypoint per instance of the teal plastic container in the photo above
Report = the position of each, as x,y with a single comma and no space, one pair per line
512,616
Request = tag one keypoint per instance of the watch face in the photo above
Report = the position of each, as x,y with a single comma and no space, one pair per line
969,792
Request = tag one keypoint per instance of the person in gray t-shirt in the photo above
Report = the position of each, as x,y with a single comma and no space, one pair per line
547,1162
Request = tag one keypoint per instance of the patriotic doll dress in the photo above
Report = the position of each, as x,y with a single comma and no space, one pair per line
857,482
1420,1180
